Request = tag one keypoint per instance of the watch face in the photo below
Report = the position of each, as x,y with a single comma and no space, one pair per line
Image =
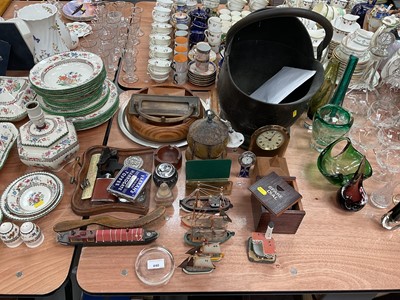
247,158
270,140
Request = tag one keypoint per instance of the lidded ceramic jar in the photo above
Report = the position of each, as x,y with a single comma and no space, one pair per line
207,138
46,141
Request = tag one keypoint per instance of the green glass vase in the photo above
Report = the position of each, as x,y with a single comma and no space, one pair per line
340,168
324,94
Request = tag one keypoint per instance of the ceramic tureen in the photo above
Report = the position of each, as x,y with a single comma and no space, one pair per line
46,141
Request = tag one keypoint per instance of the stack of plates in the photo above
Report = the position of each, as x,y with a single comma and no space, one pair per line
342,53
31,196
72,84
200,78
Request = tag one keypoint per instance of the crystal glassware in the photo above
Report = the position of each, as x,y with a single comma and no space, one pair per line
388,159
129,60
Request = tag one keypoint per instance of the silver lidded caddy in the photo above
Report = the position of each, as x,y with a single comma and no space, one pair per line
46,141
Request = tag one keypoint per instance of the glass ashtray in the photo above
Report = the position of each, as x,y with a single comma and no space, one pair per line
155,265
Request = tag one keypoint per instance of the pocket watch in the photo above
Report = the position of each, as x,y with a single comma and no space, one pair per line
270,141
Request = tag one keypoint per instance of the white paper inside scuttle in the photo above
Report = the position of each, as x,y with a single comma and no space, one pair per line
279,86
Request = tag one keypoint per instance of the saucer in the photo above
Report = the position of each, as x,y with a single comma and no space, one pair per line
213,55
79,28
212,68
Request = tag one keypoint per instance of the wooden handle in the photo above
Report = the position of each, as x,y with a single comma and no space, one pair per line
110,222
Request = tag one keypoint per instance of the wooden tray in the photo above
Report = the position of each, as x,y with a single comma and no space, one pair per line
87,208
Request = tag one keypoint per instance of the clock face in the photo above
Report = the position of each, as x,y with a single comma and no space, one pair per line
270,140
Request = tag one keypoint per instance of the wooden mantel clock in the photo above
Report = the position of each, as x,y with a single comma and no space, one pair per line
270,141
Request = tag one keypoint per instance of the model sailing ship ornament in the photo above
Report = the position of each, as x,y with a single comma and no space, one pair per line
206,227
201,259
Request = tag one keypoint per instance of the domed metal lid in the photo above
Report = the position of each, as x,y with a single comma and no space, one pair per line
209,130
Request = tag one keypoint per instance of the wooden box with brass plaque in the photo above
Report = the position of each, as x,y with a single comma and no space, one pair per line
163,118
269,140
207,138
288,220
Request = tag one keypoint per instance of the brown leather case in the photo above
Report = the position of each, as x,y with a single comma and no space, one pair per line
100,193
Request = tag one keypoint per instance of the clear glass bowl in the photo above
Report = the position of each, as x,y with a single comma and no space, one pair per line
155,265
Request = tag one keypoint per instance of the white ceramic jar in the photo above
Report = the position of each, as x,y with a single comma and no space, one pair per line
46,141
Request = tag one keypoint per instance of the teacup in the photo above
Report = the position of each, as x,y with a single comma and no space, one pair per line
181,50
181,41
210,4
212,37
161,28
161,14
224,11
225,18
165,3
157,65
214,23
180,78
215,46
339,3
183,33
226,24
236,18
181,27
233,6
160,39
180,63
245,13
202,52
160,52
306,4
158,77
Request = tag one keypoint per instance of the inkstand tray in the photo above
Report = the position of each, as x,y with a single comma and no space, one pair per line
87,208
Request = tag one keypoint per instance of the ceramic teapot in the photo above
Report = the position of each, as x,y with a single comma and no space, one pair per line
46,141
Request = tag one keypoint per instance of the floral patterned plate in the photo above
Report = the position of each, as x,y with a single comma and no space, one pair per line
66,72
31,196
15,92
101,115
8,136
81,29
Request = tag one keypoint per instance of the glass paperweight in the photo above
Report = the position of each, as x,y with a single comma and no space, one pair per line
155,265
